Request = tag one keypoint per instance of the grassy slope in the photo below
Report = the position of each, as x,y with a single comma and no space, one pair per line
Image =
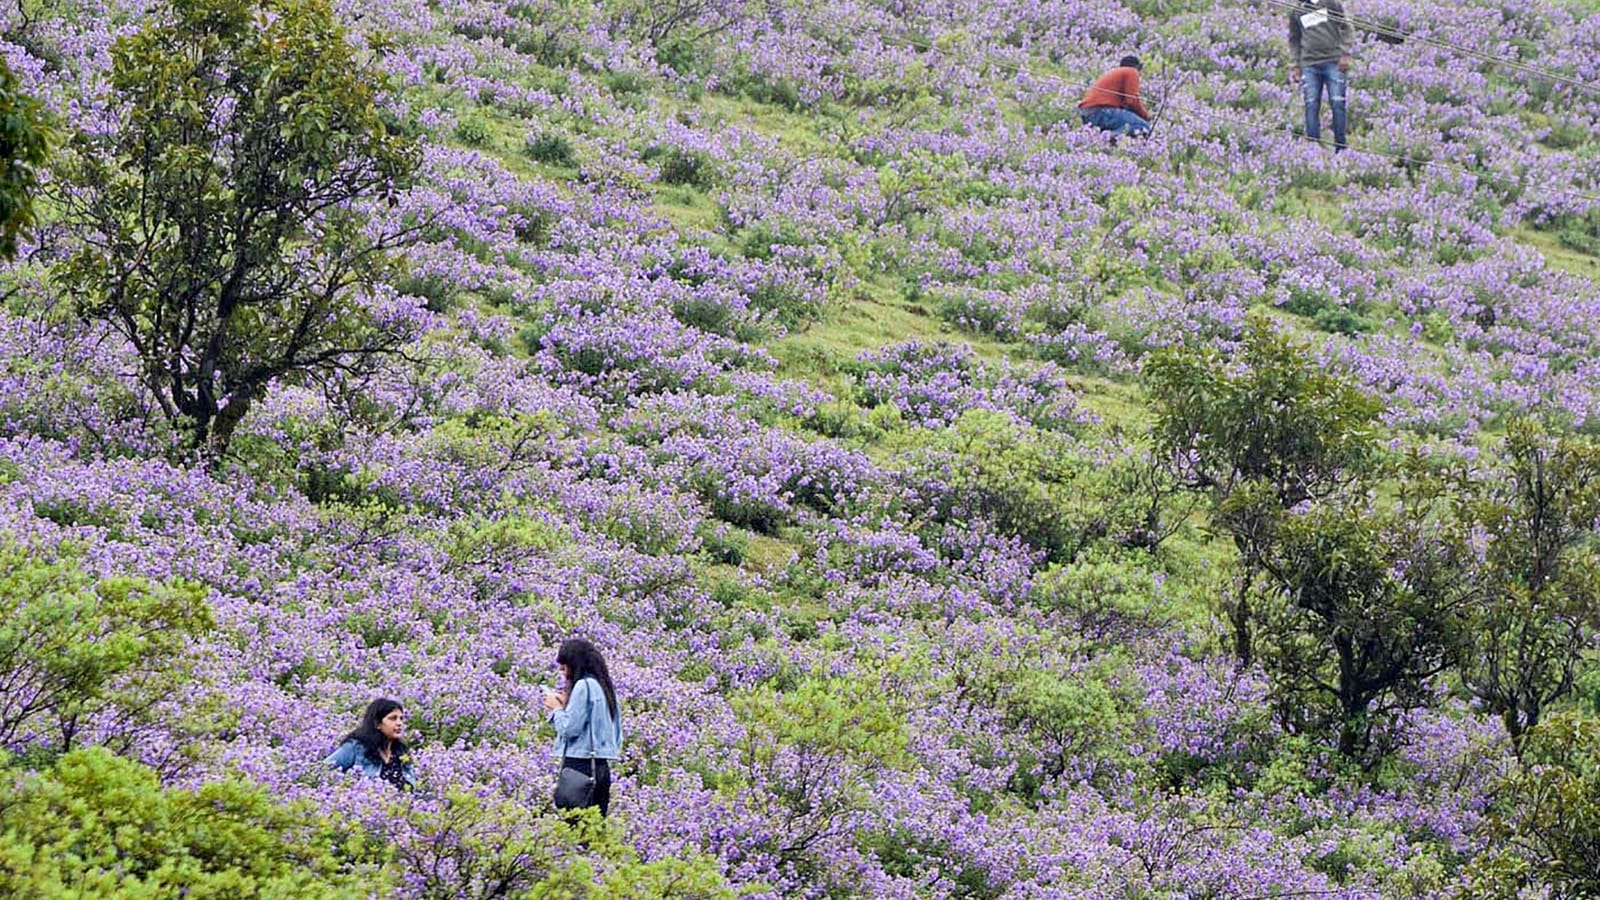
879,312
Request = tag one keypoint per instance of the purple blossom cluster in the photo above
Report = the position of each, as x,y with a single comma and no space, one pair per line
932,385
596,432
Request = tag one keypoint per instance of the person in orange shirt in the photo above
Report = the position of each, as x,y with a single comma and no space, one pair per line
1112,104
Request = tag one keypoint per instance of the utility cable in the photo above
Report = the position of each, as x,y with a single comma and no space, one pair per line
1384,32
1404,160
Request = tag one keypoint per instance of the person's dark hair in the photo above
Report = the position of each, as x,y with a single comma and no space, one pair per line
1132,62
367,734
583,660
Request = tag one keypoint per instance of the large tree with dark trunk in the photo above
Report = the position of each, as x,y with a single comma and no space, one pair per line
218,212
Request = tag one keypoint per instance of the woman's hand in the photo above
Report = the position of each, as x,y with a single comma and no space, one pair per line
555,700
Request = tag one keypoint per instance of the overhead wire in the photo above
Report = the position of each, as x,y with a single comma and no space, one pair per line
1384,31
1402,159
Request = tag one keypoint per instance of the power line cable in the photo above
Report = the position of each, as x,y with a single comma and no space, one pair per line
1404,160
1391,35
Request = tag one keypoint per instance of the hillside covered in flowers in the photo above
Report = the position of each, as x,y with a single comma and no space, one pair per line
968,505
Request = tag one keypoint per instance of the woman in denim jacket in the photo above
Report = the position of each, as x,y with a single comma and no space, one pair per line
375,749
587,718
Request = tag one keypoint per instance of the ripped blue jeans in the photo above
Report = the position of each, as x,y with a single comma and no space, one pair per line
1314,78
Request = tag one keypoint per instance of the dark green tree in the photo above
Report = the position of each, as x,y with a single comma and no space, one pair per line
24,147
1533,510
1268,421
1358,609
219,221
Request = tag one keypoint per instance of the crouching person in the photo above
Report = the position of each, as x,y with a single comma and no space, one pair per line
1113,103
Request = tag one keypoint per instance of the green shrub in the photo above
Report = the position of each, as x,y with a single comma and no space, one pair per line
77,645
625,84
815,725
1039,486
1567,136
1343,320
472,847
764,89
1109,594
473,131
551,149
437,290
1580,240
723,544
1058,724
1546,822
684,167
97,825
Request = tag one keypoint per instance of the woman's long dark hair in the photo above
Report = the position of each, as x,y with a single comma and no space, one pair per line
583,660
367,734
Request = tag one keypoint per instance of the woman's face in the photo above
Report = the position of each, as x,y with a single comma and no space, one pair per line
566,672
394,724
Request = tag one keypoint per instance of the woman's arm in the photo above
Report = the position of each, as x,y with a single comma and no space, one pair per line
572,719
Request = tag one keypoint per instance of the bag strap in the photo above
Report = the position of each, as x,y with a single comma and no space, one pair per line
591,728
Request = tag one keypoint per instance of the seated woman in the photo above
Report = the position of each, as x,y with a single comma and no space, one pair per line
374,747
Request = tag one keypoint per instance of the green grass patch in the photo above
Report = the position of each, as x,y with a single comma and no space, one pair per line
1557,254
688,208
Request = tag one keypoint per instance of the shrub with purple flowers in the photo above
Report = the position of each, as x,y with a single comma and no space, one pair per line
968,506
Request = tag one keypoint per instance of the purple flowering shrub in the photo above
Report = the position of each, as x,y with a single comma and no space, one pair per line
891,614
932,385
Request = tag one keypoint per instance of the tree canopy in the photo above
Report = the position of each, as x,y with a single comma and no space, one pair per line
218,221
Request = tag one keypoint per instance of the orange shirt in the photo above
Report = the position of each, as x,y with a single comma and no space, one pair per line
1119,88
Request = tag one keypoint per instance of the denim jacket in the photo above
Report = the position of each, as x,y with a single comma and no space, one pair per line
351,755
586,704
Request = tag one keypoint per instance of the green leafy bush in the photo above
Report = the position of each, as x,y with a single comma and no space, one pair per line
473,131
1075,720
686,167
97,825
795,738
78,646
478,848
1547,818
552,149
1040,486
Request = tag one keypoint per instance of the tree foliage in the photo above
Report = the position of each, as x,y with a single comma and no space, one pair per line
97,825
1268,414
217,218
1535,510
24,148
1267,424
1359,611
1546,820
72,646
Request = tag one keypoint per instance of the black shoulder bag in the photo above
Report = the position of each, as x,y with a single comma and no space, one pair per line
574,789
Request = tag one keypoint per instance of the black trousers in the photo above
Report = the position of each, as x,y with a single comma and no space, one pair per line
602,778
